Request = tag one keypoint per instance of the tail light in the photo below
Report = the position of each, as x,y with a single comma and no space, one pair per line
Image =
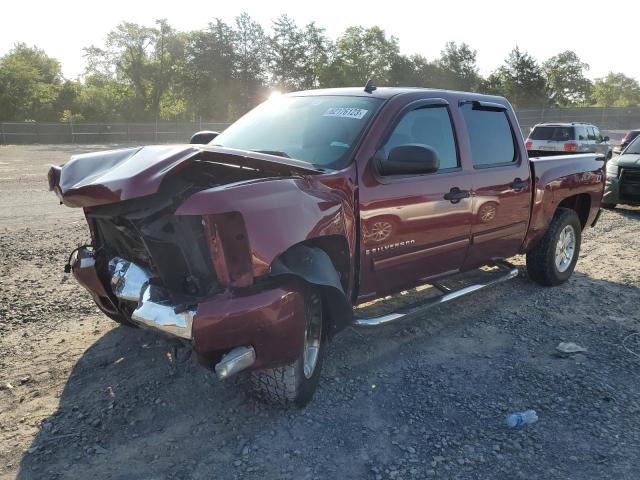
529,144
570,147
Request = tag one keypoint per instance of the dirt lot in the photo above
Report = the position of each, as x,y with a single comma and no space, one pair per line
83,398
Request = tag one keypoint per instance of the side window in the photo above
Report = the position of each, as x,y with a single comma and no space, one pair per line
427,126
592,135
490,135
597,134
582,133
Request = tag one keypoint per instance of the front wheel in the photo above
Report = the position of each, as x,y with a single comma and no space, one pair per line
553,260
295,384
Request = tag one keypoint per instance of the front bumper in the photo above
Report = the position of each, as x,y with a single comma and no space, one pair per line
268,319
615,192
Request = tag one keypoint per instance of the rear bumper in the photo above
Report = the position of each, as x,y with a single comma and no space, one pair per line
270,320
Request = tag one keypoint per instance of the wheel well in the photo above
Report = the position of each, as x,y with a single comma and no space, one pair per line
337,248
581,203
315,270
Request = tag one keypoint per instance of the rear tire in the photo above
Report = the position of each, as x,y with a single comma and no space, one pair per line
609,206
295,384
553,260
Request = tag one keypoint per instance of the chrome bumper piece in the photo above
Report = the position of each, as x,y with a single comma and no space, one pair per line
131,282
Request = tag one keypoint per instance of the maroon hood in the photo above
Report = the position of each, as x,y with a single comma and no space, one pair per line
111,176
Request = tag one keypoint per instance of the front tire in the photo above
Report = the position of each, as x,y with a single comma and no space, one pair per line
553,260
295,384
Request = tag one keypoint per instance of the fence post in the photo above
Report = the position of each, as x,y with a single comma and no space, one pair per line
71,130
4,137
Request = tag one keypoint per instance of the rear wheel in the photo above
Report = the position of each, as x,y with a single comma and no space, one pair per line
609,206
295,384
553,260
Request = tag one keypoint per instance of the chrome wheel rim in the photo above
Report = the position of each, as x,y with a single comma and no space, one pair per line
312,336
565,248
380,231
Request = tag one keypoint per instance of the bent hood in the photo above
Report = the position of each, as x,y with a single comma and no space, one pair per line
112,176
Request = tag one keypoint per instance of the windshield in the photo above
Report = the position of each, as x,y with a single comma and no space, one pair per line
321,130
558,134
634,147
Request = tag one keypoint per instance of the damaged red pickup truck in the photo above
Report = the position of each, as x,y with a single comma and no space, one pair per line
257,245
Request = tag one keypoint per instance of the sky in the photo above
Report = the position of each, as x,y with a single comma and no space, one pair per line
603,34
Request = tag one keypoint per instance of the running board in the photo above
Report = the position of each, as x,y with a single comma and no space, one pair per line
447,295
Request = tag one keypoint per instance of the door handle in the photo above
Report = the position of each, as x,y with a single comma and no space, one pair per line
518,184
455,195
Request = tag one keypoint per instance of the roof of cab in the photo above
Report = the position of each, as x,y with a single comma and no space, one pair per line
386,93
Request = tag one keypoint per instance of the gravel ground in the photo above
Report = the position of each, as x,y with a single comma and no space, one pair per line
81,397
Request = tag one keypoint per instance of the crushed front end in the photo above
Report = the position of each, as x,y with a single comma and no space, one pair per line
149,266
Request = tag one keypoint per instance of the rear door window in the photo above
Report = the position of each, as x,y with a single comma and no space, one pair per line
581,133
490,135
556,134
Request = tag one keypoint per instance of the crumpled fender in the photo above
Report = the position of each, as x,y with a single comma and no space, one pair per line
276,214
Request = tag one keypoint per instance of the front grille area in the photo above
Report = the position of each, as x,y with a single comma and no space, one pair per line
173,249
630,185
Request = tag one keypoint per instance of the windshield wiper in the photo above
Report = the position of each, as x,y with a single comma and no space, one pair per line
277,153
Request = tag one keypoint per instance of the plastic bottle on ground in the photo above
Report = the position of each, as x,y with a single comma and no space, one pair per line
517,419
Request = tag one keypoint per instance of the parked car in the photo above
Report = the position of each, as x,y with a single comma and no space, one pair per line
626,140
550,138
257,246
623,177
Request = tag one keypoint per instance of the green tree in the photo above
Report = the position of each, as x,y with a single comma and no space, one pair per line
30,82
207,77
317,48
250,66
458,68
415,71
616,90
566,83
144,58
360,54
520,79
286,55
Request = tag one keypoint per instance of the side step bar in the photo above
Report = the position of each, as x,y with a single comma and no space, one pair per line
447,295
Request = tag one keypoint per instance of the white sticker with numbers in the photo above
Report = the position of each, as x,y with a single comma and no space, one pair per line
346,112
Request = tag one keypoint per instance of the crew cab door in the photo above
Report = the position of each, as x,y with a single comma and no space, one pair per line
414,227
501,182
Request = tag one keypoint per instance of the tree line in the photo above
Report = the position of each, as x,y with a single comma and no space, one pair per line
146,73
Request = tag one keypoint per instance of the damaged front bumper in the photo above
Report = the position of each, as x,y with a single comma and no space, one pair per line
230,331
132,283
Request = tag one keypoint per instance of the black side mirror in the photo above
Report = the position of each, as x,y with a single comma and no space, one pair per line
412,159
203,137
605,139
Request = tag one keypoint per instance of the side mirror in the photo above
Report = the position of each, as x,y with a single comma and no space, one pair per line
606,139
203,137
412,159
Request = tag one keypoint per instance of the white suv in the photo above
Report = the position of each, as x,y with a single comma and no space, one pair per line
567,137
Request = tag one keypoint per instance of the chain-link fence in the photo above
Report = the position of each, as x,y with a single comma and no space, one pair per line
160,132
613,122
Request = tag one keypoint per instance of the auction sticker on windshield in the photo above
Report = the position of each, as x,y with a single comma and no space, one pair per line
346,112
